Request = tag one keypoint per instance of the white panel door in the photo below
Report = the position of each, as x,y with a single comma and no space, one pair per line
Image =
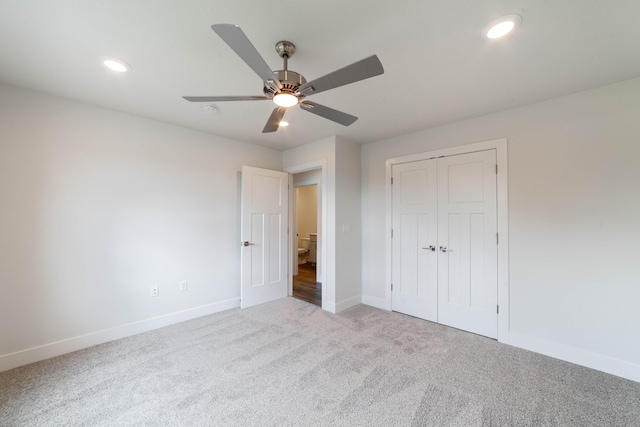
414,260
264,223
467,245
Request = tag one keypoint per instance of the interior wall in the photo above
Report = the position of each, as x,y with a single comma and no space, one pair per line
97,207
310,156
342,252
348,224
574,204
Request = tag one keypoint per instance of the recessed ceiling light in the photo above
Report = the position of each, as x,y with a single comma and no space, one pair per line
284,124
115,64
501,26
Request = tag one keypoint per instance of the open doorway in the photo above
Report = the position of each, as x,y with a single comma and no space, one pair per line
306,214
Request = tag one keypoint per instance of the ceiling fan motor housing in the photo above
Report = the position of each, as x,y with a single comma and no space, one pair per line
290,80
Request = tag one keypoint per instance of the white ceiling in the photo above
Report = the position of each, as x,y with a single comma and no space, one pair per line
438,69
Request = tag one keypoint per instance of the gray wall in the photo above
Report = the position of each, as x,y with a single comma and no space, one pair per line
341,191
96,207
574,221
348,224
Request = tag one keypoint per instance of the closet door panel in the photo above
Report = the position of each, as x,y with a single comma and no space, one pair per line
467,256
414,264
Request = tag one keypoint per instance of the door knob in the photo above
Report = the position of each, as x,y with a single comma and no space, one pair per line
430,248
444,249
246,244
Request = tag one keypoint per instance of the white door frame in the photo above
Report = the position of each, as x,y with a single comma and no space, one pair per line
500,145
322,237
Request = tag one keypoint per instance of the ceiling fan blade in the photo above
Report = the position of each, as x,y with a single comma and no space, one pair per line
224,98
274,120
240,44
328,113
364,69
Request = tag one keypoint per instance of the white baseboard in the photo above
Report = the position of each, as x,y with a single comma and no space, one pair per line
380,303
330,307
46,351
348,303
610,365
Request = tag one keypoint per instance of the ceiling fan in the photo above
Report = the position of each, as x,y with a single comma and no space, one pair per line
287,88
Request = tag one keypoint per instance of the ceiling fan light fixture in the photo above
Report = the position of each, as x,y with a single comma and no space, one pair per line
502,26
115,64
283,123
285,100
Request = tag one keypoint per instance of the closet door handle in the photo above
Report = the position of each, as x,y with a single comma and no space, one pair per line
444,249
247,244
430,248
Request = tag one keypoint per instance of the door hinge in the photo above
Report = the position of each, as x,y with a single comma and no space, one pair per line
496,169
391,180
497,240
392,233
497,309
392,286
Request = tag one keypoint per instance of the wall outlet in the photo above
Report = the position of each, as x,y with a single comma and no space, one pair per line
155,291
184,285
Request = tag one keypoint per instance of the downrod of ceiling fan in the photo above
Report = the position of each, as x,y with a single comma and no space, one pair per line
286,50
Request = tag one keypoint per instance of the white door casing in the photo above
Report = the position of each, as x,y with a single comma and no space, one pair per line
467,242
414,263
500,147
324,254
264,222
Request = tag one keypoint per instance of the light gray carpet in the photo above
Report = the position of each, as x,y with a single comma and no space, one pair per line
289,363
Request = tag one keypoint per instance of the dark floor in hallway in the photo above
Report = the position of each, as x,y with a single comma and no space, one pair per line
305,286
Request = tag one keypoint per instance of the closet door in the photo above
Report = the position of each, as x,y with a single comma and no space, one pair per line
414,257
467,245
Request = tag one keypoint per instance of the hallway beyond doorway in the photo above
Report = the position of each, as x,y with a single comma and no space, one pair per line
305,286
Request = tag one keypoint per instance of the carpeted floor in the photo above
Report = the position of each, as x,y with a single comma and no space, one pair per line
288,363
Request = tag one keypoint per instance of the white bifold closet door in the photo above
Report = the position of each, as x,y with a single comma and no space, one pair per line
444,256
